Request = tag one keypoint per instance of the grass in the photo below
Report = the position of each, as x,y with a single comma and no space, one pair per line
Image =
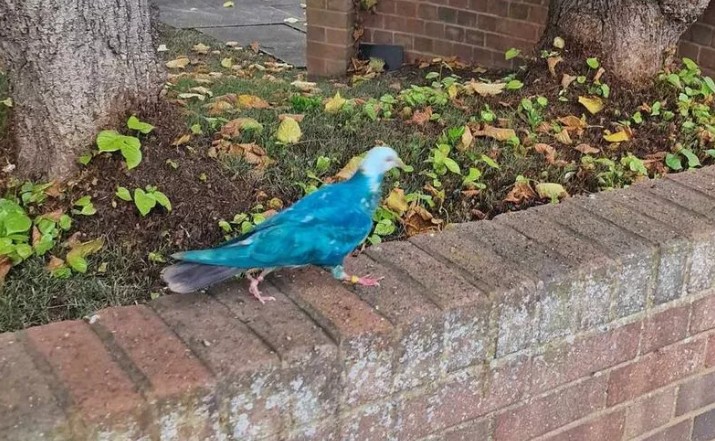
466,165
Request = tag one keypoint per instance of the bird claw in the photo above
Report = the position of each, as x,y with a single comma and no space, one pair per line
368,281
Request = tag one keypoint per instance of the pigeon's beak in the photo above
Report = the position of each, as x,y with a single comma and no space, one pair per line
400,163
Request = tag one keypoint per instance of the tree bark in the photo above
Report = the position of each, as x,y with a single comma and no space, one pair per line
633,38
74,67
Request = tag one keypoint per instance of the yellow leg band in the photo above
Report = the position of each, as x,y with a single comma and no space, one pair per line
354,279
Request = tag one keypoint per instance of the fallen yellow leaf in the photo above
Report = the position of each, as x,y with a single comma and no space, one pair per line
251,102
233,128
620,136
551,191
467,139
593,104
178,63
484,89
552,62
574,124
350,168
289,131
335,104
495,133
304,86
227,62
396,201
201,49
183,139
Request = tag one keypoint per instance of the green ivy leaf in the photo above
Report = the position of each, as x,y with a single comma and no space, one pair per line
45,244
65,222
123,194
452,165
76,256
514,85
692,158
673,162
489,161
135,124
196,129
593,63
132,155
162,200
85,158
710,153
16,222
83,201
112,141
23,250
511,53
144,201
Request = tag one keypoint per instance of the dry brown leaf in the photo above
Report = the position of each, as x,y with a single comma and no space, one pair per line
54,191
233,128
36,236
586,149
54,215
183,139
563,137
54,263
251,102
484,89
255,46
467,138
573,124
298,117
496,133
350,168
218,107
552,62
548,151
566,80
422,117
5,265
599,74
522,192
201,49
419,220
179,63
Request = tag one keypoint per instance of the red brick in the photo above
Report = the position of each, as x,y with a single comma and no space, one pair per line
454,33
323,17
467,19
27,404
423,44
538,14
603,428
498,7
710,354
471,431
427,11
665,328
701,34
316,4
709,16
707,58
688,49
406,8
386,7
382,37
97,385
155,350
678,432
552,411
584,357
443,48
341,37
474,37
245,367
704,426
434,30
463,52
703,315
655,370
447,15
459,4
696,393
374,21
328,51
316,33
404,40
478,5
339,5
649,413
373,421
518,11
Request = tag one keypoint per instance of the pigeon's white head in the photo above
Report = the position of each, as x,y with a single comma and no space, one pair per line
379,160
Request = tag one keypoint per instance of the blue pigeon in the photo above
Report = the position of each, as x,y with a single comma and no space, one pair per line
320,229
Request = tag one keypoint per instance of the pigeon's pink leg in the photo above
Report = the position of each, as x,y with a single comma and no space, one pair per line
364,280
253,288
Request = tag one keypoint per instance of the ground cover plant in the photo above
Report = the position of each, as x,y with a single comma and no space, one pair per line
239,136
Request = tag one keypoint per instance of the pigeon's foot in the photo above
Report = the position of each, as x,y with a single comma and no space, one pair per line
253,288
366,280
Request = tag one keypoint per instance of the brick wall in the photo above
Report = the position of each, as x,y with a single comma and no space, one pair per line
589,320
482,30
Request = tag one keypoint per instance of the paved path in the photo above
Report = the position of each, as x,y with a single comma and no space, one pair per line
278,25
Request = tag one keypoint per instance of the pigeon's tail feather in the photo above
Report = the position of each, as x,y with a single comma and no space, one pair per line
186,277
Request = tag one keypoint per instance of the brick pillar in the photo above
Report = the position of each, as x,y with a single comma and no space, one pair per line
330,43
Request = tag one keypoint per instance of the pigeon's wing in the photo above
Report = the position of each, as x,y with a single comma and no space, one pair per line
322,238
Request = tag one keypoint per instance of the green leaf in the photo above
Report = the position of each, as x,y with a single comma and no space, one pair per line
514,85
88,210
673,162
23,250
452,165
134,124
132,155
605,90
489,161
511,53
692,158
288,131
322,164
674,79
196,129
112,141
385,227
83,201
16,222
473,175
593,63
156,257
432,76
551,191
76,256
637,118
46,226
85,158
45,244
65,222
144,201
543,101
710,84
710,153
63,272
123,194
162,200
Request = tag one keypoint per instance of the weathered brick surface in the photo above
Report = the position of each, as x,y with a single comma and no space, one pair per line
28,407
677,432
703,315
655,370
608,427
704,427
665,328
649,413
696,393
175,381
552,411
101,393
710,354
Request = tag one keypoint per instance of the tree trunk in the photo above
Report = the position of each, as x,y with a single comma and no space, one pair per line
633,38
74,67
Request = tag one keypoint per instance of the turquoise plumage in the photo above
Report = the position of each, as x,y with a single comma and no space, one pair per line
320,229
